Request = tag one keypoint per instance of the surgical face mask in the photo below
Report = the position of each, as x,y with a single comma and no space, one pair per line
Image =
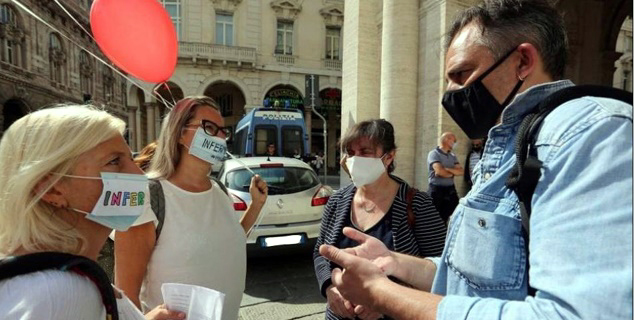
454,145
473,107
121,201
211,149
364,171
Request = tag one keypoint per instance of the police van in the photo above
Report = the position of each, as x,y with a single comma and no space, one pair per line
285,128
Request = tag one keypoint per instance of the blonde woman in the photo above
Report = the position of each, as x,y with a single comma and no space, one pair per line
201,242
52,163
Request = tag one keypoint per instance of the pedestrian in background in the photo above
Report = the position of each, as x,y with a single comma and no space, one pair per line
145,156
443,166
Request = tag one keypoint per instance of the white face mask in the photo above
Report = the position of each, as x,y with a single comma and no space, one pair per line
364,171
208,148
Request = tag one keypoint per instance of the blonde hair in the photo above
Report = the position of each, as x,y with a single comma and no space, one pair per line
36,145
168,152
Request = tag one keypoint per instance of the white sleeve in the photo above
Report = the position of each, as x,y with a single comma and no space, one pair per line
55,295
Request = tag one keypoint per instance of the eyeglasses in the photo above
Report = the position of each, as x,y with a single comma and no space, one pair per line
212,129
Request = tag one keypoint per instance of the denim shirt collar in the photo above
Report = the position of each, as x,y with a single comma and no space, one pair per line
527,100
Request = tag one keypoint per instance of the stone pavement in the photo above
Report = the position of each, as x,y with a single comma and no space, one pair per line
282,287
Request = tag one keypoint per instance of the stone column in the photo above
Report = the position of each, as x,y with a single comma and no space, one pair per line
431,119
139,131
132,132
399,77
308,118
361,60
151,120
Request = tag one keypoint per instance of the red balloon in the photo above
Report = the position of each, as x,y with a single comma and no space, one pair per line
137,35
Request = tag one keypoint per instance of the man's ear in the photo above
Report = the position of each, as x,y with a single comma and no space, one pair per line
51,194
529,59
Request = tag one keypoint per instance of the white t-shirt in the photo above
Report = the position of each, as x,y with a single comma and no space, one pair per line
57,295
201,243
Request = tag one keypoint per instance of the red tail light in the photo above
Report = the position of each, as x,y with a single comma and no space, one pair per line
321,197
238,204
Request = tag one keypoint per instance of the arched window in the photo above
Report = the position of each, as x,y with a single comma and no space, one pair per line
11,36
57,57
85,72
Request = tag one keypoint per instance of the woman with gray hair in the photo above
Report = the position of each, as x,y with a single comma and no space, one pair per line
377,203
202,241
55,166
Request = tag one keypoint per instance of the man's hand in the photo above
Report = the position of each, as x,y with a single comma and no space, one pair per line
359,277
372,249
366,313
337,304
258,190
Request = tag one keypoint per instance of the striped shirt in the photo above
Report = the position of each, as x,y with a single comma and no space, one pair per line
425,239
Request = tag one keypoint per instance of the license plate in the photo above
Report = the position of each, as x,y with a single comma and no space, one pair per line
268,242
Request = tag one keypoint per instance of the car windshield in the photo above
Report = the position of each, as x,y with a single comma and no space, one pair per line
281,180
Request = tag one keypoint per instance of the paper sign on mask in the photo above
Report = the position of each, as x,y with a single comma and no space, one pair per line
121,201
208,148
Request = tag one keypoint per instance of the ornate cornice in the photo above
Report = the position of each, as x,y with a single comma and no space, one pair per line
226,5
286,9
333,15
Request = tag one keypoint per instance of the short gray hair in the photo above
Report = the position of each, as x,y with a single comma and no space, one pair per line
505,24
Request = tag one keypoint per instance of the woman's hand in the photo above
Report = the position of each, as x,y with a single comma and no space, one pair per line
161,313
338,305
258,190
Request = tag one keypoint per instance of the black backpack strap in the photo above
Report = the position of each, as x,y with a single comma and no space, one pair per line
527,169
411,217
20,265
157,202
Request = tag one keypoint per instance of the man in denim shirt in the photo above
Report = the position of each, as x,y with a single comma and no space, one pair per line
503,58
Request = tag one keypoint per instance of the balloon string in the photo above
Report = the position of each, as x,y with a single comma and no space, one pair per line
27,10
167,104
170,91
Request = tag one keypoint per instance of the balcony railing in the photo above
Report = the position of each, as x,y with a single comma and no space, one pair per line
284,59
332,64
217,52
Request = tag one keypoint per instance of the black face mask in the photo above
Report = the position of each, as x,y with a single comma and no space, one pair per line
473,107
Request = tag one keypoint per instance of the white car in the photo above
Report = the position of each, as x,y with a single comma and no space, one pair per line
292,213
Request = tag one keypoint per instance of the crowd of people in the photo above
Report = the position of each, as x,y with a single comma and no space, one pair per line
385,249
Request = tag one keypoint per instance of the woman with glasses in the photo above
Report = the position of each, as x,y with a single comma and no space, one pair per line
202,241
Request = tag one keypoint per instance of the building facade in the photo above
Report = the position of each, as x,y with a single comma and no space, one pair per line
41,67
247,54
393,66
